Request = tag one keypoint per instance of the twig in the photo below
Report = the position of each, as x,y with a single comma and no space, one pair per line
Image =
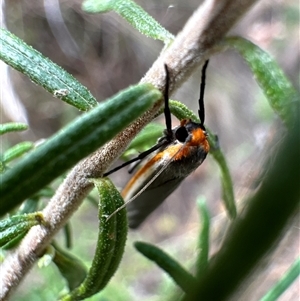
193,45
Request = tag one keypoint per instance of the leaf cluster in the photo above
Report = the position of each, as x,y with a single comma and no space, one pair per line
27,171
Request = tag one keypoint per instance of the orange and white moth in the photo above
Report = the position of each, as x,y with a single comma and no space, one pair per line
165,165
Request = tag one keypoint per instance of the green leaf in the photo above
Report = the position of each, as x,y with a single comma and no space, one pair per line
202,261
68,235
279,91
44,72
181,111
179,274
107,191
29,206
226,180
18,219
72,143
70,267
17,151
18,225
15,240
133,14
2,167
12,126
110,245
144,140
32,204
284,283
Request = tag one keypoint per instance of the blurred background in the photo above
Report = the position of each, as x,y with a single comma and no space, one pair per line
106,54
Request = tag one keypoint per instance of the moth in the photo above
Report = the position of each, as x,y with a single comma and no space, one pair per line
162,168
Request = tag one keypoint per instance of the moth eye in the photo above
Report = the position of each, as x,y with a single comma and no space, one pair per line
181,134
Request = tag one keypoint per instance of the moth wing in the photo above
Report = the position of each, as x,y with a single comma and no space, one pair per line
141,207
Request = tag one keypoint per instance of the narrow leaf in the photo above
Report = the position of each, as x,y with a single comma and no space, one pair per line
29,206
181,277
144,140
107,190
279,91
2,167
226,180
181,111
44,72
202,261
17,219
15,240
110,245
72,143
12,127
68,235
17,151
133,14
70,267
17,226
283,284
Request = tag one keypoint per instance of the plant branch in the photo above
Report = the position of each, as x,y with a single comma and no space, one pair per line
193,45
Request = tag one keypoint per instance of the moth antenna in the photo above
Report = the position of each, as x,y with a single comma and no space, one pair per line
139,157
167,111
168,119
201,111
